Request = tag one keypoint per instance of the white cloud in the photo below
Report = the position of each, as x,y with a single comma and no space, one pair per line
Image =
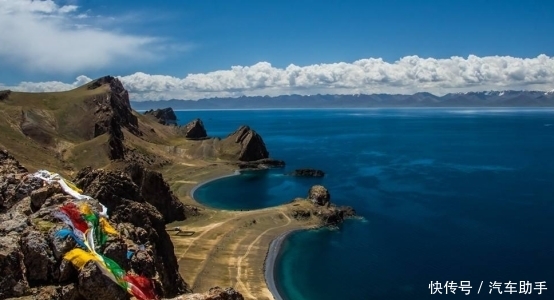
407,75
47,86
46,37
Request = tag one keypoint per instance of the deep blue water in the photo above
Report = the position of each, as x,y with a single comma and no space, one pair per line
447,195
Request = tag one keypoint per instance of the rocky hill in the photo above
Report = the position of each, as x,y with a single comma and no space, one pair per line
32,252
94,125
165,116
194,130
244,143
321,208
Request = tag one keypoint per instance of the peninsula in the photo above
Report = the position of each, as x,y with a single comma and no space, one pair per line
143,168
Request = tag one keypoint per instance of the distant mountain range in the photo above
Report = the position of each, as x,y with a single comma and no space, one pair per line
470,99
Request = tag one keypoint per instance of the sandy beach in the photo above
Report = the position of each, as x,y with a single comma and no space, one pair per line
191,193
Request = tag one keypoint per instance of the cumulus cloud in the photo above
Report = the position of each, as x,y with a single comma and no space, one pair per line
46,37
407,75
47,86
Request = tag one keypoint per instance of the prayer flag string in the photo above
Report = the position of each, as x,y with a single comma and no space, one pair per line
90,231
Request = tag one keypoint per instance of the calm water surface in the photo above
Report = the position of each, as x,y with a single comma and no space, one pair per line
447,195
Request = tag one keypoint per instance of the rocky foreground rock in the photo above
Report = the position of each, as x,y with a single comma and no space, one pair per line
139,205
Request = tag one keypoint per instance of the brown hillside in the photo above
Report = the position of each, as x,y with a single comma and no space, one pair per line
94,125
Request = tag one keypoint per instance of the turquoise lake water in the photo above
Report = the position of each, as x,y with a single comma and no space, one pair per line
447,195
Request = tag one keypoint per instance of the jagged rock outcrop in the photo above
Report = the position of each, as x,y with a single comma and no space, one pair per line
245,144
194,130
307,173
134,183
112,112
319,195
13,185
93,283
165,116
31,255
142,201
112,108
321,207
9,165
4,94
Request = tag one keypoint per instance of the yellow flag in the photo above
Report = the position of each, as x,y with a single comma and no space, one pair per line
85,209
79,257
106,227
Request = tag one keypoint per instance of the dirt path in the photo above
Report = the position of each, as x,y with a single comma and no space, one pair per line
229,249
240,283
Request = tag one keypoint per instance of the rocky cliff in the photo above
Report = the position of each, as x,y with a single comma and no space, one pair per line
31,254
164,116
112,108
112,112
245,144
194,130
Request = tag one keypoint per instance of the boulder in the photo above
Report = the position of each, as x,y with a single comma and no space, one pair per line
13,282
94,285
164,116
319,195
9,165
307,173
37,255
194,130
14,185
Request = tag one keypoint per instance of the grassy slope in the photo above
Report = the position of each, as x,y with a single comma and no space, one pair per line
62,137
56,113
62,121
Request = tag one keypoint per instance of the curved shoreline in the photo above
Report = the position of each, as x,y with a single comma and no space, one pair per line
271,259
191,192
274,248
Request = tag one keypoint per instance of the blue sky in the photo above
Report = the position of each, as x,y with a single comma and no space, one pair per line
172,39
